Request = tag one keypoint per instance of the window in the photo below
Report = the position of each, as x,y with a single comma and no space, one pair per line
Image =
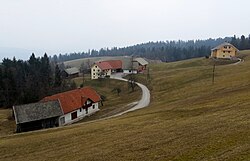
62,120
224,51
87,111
80,109
229,51
225,47
73,115
93,73
93,106
229,47
96,66
223,55
93,69
98,70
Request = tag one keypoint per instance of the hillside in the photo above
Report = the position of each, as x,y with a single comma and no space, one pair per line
188,119
87,62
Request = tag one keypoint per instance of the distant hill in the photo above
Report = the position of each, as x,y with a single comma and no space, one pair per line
167,51
86,63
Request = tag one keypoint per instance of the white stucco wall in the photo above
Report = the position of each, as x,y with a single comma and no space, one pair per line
81,113
128,71
95,72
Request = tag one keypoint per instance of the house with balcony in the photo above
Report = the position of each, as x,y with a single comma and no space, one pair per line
224,51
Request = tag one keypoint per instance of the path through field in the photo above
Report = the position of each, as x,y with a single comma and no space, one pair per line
144,101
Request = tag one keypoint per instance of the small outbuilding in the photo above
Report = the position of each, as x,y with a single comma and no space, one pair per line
142,64
37,116
71,73
224,51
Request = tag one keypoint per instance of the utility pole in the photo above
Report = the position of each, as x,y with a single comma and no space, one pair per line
132,80
213,73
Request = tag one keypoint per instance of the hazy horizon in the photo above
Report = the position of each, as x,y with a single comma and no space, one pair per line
62,26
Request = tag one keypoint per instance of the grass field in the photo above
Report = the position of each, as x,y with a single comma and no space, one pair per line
188,119
86,62
7,124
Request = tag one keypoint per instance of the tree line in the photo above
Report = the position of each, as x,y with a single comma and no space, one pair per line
29,81
167,51
242,43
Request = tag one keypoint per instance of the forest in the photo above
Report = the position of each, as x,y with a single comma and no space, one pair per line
29,81
166,51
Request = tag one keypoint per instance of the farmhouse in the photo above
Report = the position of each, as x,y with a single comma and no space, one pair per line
70,72
76,104
37,115
57,110
105,68
224,51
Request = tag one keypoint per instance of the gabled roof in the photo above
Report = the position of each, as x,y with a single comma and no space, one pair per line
109,64
72,70
74,99
141,61
37,111
222,45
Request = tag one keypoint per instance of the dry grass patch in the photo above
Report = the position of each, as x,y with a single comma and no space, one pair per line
7,124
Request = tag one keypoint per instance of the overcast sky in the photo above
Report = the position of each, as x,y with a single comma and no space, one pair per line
60,26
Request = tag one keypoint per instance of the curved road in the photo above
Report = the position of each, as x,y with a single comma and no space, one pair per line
144,101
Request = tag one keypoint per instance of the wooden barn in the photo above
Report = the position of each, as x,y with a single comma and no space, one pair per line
142,64
37,116
71,73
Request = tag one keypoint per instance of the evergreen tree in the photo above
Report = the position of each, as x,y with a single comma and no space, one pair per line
234,41
248,43
243,43
58,78
45,77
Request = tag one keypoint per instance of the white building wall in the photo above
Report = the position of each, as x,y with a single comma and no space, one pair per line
108,72
81,113
128,71
95,72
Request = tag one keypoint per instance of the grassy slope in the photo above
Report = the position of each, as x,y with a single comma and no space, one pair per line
188,119
7,124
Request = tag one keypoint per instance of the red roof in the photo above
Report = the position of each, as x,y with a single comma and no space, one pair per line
110,64
74,99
